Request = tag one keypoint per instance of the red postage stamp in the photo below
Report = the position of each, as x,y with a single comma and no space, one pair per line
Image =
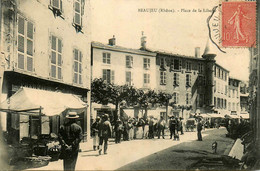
239,24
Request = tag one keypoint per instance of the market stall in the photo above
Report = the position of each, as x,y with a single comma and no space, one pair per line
33,120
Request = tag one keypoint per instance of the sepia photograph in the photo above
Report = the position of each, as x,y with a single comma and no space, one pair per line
129,85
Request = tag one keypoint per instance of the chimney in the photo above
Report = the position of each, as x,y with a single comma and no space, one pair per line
112,41
143,41
197,52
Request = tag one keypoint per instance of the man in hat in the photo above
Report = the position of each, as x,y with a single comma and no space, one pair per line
199,129
161,126
181,125
172,126
104,133
70,135
95,130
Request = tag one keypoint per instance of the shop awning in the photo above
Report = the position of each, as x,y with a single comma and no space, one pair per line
51,103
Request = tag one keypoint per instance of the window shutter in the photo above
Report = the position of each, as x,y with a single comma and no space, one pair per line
112,76
61,7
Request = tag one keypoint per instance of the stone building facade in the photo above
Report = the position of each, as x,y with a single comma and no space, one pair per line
46,45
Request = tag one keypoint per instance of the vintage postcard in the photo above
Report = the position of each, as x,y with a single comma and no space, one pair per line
129,85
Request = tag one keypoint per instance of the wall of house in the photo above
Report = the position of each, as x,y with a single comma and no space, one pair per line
197,87
118,65
45,25
221,89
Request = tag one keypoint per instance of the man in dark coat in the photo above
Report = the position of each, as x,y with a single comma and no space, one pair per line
172,126
104,133
70,135
119,128
199,129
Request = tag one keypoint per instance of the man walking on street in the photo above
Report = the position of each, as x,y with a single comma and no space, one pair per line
181,125
95,130
70,135
161,127
199,129
172,126
104,133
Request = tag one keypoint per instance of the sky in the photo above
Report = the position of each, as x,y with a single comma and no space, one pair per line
178,31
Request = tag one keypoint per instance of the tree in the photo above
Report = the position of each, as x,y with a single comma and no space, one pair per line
163,99
100,91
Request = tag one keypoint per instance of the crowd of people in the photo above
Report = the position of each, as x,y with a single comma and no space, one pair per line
134,128
70,134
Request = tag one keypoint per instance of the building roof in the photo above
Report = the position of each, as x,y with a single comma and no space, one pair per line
161,52
236,79
121,49
208,49
221,67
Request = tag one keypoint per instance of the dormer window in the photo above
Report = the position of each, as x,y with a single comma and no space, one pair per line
56,7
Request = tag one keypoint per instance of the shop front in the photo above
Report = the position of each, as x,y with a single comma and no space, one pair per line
34,118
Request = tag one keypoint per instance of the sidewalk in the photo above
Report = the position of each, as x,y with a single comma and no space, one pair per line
122,154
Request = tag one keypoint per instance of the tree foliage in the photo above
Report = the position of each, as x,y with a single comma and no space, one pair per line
104,93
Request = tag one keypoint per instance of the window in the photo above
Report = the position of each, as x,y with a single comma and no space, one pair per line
215,86
233,106
226,89
202,80
128,76
78,13
56,57
225,76
229,106
225,104
219,73
146,63
108,75
176,79
176,64
162,62
215,101
229,92
56,4
218,102
201,68
215,71
188,80
129,61
25,44
188,66
56,7
175,97
162,77
146,78
233,93
188,98
77,78
106,58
